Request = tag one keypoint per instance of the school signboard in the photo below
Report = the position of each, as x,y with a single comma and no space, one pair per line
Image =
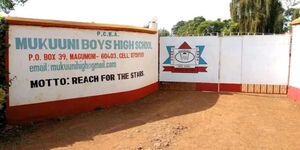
49,64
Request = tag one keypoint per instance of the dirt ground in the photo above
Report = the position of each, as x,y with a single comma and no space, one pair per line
175,120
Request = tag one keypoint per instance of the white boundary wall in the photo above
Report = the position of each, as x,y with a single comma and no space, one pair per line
253,59
231,60
295,61
265,59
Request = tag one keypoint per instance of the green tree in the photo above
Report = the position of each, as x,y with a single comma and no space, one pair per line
163,32
264,16
3,46
296,14
7,5
190,27
210,27
230,27
290,13
2,98
3,72
201,26
177,26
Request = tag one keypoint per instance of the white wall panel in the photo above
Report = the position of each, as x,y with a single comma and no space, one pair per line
231,60
265,59
295,60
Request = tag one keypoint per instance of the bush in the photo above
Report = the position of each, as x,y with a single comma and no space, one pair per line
4,84
2,98
2,108
3,46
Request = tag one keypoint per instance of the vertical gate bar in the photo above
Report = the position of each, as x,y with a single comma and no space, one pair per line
279,89
260,88
247,89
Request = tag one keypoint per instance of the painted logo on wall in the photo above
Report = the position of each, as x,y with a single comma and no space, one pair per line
185,59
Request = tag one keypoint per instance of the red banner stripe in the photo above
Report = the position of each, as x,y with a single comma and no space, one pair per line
185,70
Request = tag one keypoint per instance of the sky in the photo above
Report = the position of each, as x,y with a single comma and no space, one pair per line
124,12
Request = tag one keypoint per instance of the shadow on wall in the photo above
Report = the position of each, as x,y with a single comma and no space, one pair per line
157,106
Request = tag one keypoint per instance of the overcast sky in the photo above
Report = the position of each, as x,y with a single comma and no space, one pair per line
127,12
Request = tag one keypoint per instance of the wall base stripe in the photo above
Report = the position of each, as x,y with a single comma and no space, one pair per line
294,93
214,87
48,110
225,87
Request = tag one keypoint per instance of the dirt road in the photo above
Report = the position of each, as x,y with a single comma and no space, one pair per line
175,120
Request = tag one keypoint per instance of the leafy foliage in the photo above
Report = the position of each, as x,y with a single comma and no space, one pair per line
290,15
7,5
3,46
230,27
201,26
163,32
295,14
2,97
177,26
3,82
247,16
258,16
